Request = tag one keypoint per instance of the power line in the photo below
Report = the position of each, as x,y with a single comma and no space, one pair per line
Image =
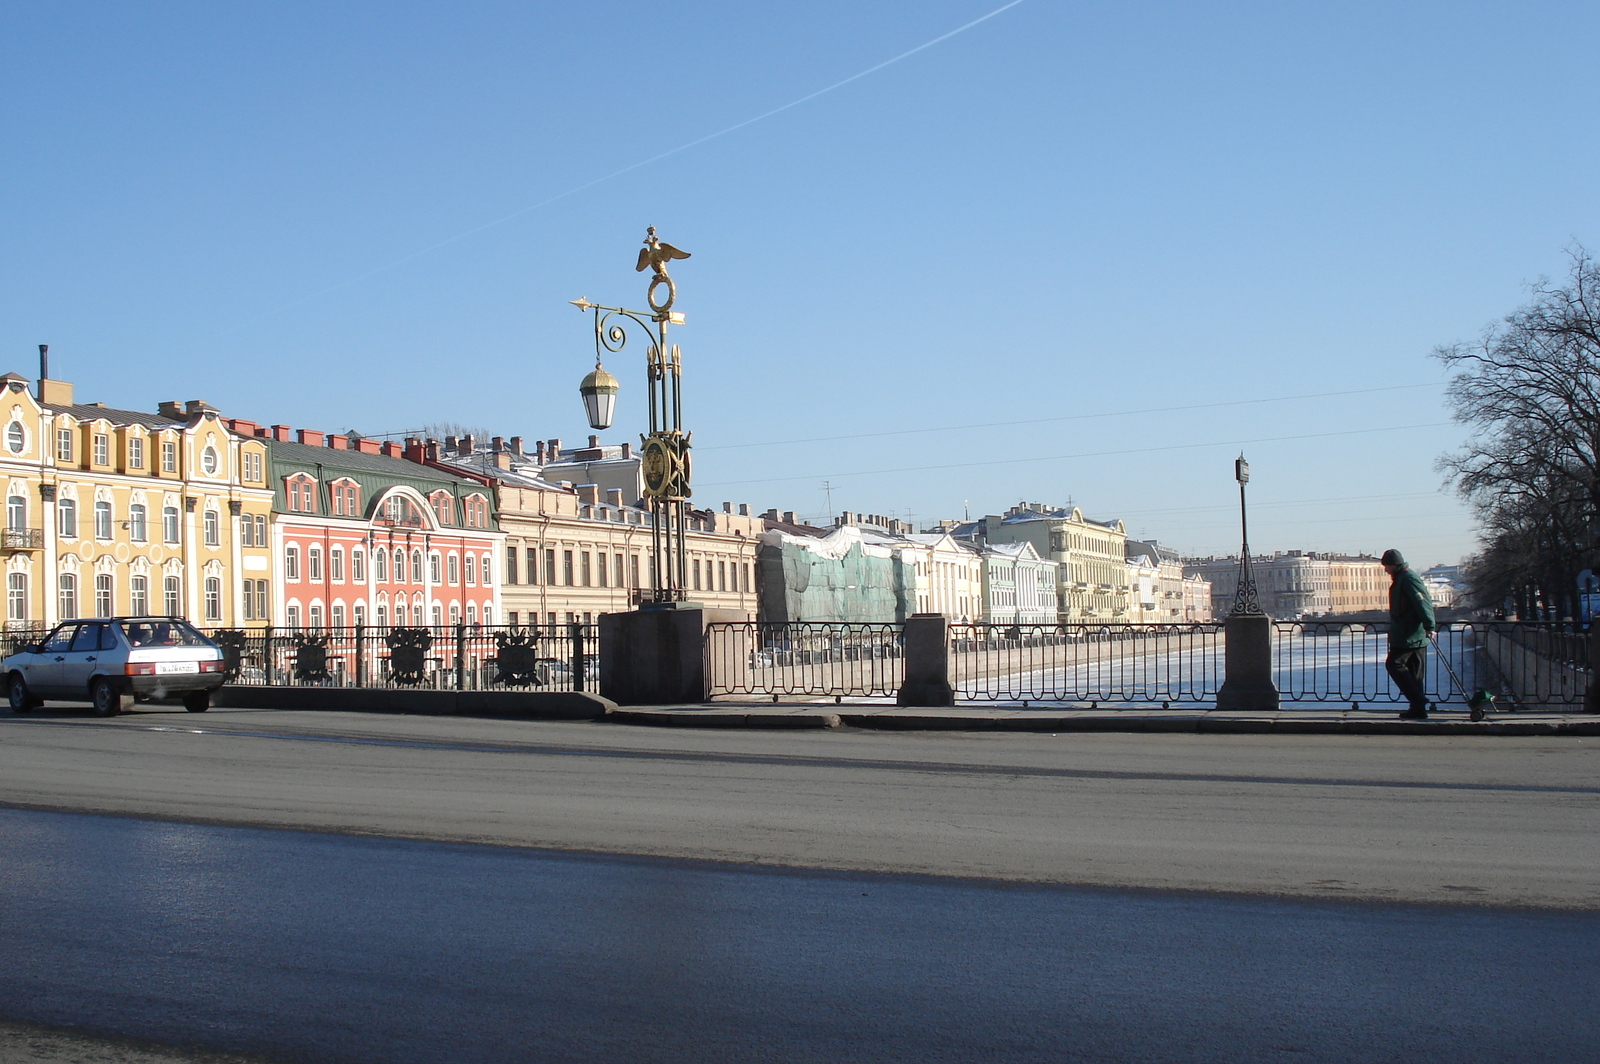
1066,417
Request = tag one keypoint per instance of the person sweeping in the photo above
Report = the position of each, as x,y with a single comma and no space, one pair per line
1411,626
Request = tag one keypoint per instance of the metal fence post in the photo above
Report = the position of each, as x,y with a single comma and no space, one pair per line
361,655
461,657
575,634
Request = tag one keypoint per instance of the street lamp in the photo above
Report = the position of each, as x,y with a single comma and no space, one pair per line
1246,599
664,453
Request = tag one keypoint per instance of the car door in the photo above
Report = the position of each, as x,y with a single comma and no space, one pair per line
78,662
44,674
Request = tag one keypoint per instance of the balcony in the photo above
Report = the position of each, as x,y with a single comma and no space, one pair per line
22,539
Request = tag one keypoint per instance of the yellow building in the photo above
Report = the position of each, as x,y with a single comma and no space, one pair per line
119,512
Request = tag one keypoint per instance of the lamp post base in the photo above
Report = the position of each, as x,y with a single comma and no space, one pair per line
1247,664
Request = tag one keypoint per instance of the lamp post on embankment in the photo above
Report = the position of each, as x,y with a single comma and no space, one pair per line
1247,630
653,655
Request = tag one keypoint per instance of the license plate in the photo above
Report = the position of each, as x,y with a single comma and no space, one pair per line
177,668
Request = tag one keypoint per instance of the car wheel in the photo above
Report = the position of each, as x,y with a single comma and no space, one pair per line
108,701
197,701
21,698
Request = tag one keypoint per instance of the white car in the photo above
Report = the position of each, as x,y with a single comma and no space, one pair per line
112,661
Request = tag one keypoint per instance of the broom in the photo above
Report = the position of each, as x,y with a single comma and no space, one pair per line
1481,700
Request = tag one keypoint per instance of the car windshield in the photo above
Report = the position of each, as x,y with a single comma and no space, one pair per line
162,634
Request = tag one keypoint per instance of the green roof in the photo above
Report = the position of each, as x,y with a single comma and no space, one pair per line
374,472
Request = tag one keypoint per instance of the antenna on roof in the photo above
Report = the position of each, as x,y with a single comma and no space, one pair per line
827,490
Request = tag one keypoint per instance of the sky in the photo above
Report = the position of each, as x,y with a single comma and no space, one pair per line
1082,253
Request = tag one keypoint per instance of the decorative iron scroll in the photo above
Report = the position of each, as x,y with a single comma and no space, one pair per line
310,658
517,661
408,654
231,642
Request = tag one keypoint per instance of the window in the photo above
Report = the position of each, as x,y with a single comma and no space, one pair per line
360,615
213,589
138,526
399,566
511,565
488,615
416,567
566,560
550,567
212,529
138,595
600,569
352,506
17,596
358,565
722,576
488,567
477,511
16,437
102,520
455,613
472,577
63,445
316,616
380,566
102,449
252,466
443,509
336,568
169,456
261,530
696,564
291,563
472,614
633,571
170,591
336,617
531,556
247,532
302,495
383,615
292,615
433,568
314,563
438,615
619,578
261,601
68,585
135,452
344,499
208,461
67,518
17,513
169,524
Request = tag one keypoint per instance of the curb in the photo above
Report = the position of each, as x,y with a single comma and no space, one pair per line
662,719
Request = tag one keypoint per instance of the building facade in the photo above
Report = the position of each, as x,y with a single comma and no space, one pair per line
1091,573
1019,587
1290,585
115,511
1356,584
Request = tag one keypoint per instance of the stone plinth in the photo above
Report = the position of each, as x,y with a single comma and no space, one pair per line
657,656
927,662
1247,664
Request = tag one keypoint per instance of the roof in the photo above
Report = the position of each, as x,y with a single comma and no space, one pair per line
90,412
359,461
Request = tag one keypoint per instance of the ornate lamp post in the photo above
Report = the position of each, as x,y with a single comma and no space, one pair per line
664,453
1246,599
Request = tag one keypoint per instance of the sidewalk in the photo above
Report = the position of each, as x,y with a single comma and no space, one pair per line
1200,718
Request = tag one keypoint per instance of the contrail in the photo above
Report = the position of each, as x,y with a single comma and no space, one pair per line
654,158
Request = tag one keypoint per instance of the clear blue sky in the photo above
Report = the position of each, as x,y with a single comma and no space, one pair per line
1075,212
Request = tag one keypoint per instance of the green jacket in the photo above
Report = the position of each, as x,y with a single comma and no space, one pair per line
1410,610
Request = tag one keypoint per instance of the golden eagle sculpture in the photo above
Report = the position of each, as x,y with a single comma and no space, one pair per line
656,255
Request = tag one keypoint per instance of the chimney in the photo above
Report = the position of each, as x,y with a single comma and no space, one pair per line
594,441
627,450
194,406
450,443
243,427
552,450
465,447
412,452
366,446
262,431
431,450
57,393
392,449
589,493
309,437
614,497
497,444
44,362
338,441
744,509
171,408
727,507
516,446
282,433
502,459
788,518
538,452
771,515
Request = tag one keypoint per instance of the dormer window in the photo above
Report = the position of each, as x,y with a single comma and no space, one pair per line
302,494
443,508
477,511
346,500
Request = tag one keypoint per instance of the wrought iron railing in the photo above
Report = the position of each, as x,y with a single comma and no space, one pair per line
804,658
1090,663
560,657
21,539
1519,662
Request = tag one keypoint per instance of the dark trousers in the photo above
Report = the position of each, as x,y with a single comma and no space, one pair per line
1405,668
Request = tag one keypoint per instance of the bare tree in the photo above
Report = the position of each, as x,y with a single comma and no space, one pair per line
1530,390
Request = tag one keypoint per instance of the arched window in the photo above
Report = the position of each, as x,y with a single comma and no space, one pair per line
433,567
358,565
17,596
472,569
169,524
68,585
261,530
102,595
213,588
67,519
139,595
171,591
443,507
336,568
438,616
212,527
291,563
416,567
17,513
314,563
454,569
138,528
399,570
380,566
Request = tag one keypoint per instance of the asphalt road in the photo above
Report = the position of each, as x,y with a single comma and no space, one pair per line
1461,820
